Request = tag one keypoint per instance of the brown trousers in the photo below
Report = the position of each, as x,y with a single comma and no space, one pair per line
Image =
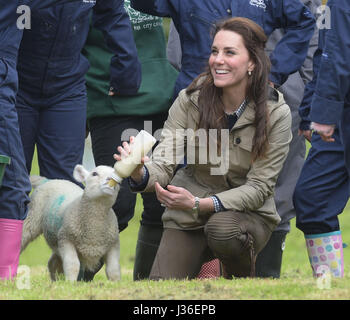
234,237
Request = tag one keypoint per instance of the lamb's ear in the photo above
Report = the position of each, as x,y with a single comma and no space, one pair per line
80,173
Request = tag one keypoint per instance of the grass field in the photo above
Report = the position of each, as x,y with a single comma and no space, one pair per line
296,281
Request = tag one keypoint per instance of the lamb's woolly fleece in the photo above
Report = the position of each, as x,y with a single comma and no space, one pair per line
79,225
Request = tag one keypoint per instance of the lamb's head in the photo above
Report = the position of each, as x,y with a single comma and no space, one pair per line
97,181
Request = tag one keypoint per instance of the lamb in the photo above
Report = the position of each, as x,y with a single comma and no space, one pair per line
78,225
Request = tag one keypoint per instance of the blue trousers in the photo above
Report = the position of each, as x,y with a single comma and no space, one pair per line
345,135
15,185
322,190
56,126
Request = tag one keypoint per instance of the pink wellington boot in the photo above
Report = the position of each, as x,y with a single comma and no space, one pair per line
10,247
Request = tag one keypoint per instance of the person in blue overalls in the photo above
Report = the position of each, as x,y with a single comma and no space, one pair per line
15,185
322,191
51,100
194,18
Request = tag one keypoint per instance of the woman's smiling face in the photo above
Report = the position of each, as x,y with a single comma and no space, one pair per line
229,61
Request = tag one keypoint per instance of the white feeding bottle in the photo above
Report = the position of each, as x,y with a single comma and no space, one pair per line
142,144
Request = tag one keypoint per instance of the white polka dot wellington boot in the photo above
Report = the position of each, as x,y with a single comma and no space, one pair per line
325,252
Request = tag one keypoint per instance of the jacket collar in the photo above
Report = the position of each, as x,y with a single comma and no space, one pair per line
275,100
248,116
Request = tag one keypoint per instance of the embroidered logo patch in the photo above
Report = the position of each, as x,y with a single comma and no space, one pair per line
137,17
258,3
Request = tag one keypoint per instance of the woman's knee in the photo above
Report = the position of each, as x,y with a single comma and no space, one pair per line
235,238
226,234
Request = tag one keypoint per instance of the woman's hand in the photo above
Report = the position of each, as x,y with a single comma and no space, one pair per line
124,152
174,197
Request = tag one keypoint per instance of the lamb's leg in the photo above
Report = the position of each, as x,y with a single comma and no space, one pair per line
112,263
71,263
55,266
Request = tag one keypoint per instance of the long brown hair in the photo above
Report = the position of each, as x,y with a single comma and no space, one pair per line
212,114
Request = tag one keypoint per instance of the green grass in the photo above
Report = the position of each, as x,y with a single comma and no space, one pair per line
296,282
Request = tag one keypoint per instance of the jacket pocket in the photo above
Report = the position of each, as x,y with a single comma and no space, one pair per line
202,16
243,141
198,36
75,35
241,153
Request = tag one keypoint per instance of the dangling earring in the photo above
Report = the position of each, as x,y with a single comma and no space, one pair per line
249,73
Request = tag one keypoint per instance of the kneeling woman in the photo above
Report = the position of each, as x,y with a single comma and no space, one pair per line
220,203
